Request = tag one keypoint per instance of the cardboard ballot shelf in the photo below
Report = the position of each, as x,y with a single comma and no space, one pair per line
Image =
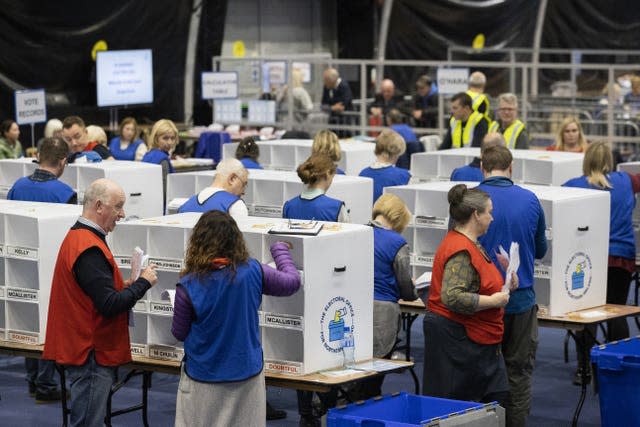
267,191
30,236
288,154
571,276
141,182
529,166
301,333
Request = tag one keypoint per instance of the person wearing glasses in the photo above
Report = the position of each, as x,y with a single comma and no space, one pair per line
74,133
224,193
317,174
508,124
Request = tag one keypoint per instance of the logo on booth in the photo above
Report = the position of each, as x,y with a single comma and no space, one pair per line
577,275
337,317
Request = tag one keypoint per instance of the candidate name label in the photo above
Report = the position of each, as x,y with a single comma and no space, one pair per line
166,353
283,367
22,294
160,308
541,272
21,252
23,337
431,221
166,264
268,211
423,260
139,350
282,321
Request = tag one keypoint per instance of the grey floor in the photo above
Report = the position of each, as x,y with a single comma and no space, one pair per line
554,396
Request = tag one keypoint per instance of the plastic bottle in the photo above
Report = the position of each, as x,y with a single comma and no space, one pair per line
348,349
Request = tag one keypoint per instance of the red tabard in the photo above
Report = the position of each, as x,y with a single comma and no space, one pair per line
483,327
74,326
90,146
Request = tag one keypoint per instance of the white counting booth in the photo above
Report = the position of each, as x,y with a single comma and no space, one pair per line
572,275
529,166
287,154
267,191
301,333
141,182
30,236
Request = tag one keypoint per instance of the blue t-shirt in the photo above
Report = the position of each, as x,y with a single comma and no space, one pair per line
249,163
158,156
386,244
621,240
517,217
223,343
219,201
467,173
128,153
387,176
321,208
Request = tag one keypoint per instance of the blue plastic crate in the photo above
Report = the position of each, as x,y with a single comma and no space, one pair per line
408,410
618,370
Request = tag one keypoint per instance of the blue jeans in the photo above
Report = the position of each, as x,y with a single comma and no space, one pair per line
42,373
90,386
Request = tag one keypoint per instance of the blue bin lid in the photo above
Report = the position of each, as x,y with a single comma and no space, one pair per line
617,355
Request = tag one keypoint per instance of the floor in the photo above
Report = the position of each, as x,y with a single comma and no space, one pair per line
554,396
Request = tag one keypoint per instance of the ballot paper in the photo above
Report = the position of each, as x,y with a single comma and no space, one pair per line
138,261
514,263
169,295
424,280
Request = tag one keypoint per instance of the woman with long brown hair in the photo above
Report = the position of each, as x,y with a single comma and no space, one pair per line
216,315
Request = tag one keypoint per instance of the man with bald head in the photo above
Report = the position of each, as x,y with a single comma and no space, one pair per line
87,326
386,100
336,99
472,171
224,192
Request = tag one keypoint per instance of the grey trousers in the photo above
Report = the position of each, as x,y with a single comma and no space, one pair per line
519,345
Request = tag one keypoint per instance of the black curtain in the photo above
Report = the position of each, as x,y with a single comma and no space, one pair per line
48,45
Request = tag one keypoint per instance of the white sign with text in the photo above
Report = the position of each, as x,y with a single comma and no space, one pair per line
31,106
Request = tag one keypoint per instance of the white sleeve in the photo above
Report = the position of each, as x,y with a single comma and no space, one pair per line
343,215
238,209
140,152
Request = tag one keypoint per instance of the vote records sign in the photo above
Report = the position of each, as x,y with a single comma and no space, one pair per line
452,80
31,106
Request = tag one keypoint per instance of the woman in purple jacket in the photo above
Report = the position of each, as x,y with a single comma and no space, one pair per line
216,315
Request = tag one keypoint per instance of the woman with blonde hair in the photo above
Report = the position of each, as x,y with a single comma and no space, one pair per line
389,147
599,174
317,174
162,141
570,137
327,142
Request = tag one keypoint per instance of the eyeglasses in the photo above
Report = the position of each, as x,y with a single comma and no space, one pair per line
507,109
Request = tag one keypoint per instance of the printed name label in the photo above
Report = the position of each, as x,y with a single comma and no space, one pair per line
541,272
140,306
21,252
22,294
283,367
155,307
166,353
268,211
23,337
283,321
122,261
431,221
166,264
138,349
425,260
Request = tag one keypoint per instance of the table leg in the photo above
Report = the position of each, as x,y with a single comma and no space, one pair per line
583,361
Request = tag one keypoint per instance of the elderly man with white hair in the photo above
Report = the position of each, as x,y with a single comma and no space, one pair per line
224,192
87,326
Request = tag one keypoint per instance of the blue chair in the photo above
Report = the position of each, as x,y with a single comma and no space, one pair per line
210,145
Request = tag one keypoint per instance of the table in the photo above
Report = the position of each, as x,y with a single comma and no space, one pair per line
320,382
573,321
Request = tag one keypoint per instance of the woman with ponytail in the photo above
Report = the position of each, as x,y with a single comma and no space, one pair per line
317,174
597,168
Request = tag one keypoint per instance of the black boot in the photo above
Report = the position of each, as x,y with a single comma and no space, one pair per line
275,414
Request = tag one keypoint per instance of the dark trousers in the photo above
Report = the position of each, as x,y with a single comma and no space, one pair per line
618,282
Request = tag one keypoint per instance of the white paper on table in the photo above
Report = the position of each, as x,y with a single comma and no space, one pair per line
514,264
169,294
423,281
138,261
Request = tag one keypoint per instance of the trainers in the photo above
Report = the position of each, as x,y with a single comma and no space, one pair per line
32,389
275,414
48,397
